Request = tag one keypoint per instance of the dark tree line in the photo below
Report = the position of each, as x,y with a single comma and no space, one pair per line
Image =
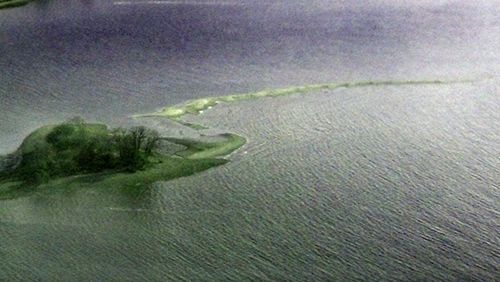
76,147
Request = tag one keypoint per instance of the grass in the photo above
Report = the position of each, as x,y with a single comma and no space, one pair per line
197,156
132,184
4,4
35,138
198,105
199,150
194,126
38,136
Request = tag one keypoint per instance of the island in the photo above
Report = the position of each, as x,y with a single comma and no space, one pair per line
77,154
4,4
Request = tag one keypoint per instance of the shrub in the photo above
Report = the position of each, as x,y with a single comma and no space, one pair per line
37,166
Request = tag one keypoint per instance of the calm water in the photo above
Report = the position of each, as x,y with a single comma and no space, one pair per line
380,183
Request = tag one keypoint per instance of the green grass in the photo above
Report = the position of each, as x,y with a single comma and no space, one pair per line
132,184
4,4
198,105
194,126
197,156
37,137
199,150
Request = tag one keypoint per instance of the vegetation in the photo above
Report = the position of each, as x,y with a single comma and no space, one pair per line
12,3
196,149
79,155
76,147
197,106
133,184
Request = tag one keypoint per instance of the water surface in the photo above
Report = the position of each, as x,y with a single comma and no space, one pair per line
378,183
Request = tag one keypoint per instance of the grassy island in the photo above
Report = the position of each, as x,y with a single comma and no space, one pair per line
76,155
4,4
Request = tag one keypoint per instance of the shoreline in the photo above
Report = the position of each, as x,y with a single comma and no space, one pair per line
197,149
197,106
197,155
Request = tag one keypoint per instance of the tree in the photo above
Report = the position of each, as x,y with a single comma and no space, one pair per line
152,141
145,140
37,165
76,147
96,155
135,145
60,137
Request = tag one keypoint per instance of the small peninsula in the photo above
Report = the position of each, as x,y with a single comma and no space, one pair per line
76,154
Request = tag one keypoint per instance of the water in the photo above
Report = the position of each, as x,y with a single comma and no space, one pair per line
379,183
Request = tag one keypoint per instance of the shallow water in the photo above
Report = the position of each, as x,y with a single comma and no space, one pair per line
379,183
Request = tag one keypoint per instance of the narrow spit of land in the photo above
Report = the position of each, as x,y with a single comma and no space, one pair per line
198,105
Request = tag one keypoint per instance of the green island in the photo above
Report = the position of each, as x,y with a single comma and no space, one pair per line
4,4
78,155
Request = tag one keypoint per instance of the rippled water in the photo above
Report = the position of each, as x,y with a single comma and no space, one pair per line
378,183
